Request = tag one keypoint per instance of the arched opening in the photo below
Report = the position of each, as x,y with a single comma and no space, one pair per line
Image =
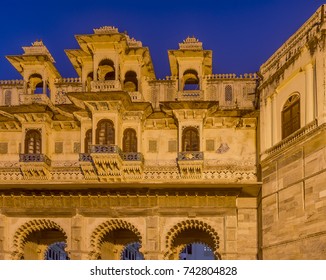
130,83
88,141
106,70
196,251
131,252
105,134
36,85
129,141
33,142
115,242
192,239
190,139
40,240
291,115
113,238
191,80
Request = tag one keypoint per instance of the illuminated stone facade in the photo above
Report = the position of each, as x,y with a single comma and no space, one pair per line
118,157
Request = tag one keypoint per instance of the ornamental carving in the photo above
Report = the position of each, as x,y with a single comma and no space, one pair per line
105,228
26,229
197,225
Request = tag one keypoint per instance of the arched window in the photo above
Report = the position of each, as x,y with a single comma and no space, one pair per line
106,70
228,93
35,83
190,139
33,142
130,83
105,133
88,141
7,98
291,115
129,140
191,80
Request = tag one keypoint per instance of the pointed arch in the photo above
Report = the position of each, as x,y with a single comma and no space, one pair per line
22,233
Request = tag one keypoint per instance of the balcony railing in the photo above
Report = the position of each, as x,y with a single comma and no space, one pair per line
33,98
190,155
34,158
132,156
105,149
135,95
189,95
85,157
109,85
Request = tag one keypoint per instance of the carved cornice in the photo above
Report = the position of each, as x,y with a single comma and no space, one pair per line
293,46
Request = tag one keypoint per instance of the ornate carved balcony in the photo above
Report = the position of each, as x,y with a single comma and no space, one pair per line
87,166
133,164
35,166
107,161
108,85
190,164
34,158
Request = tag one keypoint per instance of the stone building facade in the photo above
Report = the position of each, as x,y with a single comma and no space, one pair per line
117,158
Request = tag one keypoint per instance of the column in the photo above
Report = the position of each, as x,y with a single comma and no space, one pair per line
268,123
309,96
274,119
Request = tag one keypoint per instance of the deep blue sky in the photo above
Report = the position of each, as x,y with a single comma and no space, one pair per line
241,33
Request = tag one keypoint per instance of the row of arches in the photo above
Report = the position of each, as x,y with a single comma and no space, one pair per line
115,239
106,71
105,135
105,132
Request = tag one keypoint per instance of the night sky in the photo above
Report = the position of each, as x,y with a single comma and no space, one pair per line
243,34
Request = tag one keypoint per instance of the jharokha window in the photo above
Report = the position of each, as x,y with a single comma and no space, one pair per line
190,139
33,142
88,141
129,141
105,133
291,116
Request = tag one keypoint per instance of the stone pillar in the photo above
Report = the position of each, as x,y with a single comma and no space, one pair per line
74,243
309,97
150,246
231,248
274,120
268,122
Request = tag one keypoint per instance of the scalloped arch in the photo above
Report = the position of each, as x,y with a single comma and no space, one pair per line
188,225
26,229
106,227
